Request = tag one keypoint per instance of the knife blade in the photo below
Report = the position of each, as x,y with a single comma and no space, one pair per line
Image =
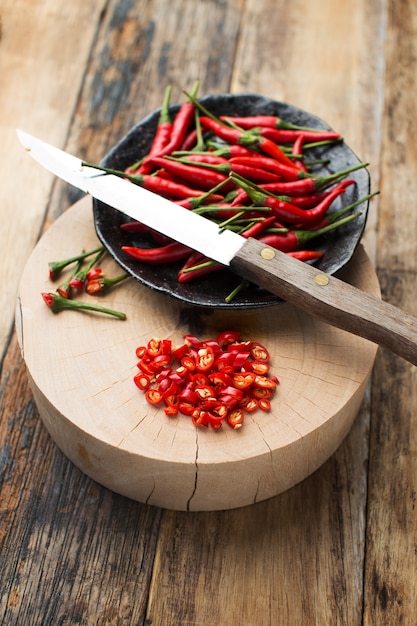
323,296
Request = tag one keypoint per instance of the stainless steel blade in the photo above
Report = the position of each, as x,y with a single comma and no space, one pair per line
138,203
300,284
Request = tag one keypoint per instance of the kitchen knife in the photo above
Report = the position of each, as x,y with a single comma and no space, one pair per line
304,286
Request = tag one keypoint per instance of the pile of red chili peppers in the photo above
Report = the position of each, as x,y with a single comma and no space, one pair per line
249,174
214,381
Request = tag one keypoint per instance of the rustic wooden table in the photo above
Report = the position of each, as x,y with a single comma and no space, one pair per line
339,548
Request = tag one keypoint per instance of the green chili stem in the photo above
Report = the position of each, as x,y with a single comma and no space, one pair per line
240,287
55,267
233,218
57,303
197,267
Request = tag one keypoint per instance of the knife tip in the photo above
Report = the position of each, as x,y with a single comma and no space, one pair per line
23,138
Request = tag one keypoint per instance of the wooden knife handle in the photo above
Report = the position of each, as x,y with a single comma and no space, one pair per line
328,298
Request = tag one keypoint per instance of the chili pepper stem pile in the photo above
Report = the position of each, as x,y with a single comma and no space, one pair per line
255,175
89,278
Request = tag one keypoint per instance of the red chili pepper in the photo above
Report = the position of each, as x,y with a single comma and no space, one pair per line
182,121
220,380
286,243
196,266
141,351
194,203
205,359
306,255
188,363
249,404
252,173
168,188
297,151
102,283
192,174
180,125
264,404
204,157
312,184
306,202
146,367
180,351
227,337
246,139
157,347
303,202
224,361
256,229
264,382
153,396
289,213
218,413
199,378
243,380
230,395
94,273
142,381
162,135
190,140
271,165
335,216
189,395
192,341
289,136
230,150
186,408
171,410
163,254
260,393
208,397
198,417
259,367
294,239
170,397
135,227
259,352
204,391
272,121
239,346
235,418
283,131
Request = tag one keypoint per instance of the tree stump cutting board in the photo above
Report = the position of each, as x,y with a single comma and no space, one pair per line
81,367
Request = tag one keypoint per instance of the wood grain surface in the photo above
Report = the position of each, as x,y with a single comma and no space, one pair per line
339,548
82,381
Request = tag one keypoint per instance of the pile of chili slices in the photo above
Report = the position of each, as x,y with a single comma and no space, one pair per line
254,175
213,382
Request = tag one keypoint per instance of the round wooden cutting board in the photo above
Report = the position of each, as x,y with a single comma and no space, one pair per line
81,367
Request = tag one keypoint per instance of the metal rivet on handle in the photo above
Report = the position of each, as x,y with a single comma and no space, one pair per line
267,254
321,279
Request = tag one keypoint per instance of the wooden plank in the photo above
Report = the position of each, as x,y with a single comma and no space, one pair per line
294,559
391,559
297,558
38,95
144,47
326,58
76,552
